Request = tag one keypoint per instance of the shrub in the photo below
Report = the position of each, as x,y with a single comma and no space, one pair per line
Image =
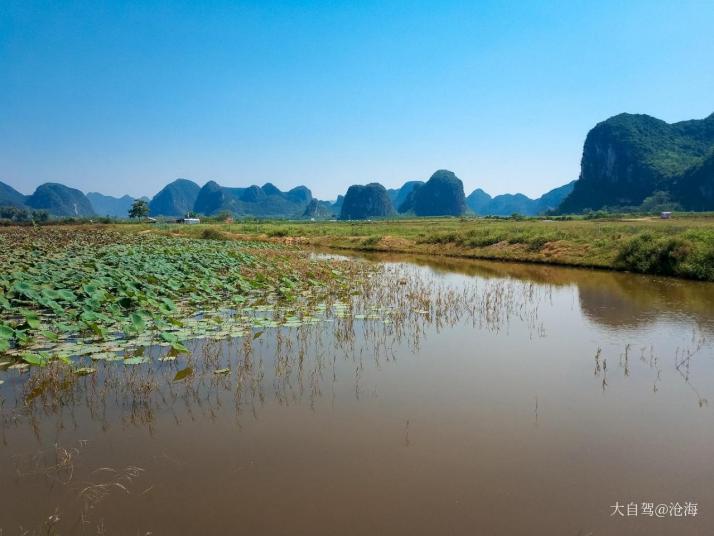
213,234
537,243
645,254
442,238
278,233
371,240
482,241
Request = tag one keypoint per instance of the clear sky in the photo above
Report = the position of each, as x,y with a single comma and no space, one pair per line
122,97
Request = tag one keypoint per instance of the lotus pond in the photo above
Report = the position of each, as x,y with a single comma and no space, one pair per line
108,296
165,385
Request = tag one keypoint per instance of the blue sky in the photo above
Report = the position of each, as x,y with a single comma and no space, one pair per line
122,97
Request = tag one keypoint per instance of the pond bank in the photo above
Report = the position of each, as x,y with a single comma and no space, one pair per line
683,248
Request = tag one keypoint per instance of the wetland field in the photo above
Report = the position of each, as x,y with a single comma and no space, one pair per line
682,246
156,383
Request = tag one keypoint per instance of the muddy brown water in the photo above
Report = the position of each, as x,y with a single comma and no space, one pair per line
578,391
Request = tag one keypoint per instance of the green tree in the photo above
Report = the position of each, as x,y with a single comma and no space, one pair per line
139,209
658,202
40,216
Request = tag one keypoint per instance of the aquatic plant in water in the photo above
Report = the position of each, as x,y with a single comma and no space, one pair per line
67,293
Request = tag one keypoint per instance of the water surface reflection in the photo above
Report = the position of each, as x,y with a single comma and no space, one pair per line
449,396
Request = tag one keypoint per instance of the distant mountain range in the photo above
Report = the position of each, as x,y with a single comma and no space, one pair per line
443,195
265,201
56,199
483,204
175,199
628,161
399,195
9,197
112,207
320,210
366,201
64,202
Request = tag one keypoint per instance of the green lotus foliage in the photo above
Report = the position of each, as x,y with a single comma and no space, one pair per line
69,294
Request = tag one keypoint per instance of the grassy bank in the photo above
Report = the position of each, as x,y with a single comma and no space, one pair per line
682,247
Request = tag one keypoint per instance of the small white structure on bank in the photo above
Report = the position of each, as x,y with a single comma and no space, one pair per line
191,221
665,215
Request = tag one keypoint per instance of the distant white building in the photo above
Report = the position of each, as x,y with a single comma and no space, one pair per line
665,215
191,221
